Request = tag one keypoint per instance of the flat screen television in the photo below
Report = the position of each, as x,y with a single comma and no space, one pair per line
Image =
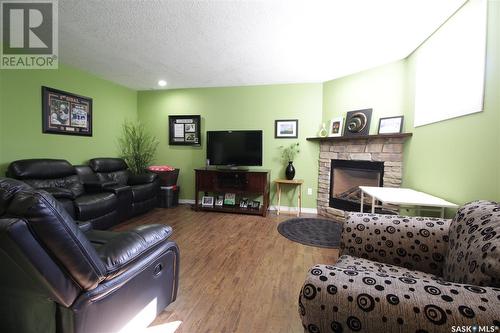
234,148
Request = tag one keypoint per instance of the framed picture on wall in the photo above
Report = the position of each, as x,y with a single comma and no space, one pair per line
390,125
286,129
184,130
66,113
335,127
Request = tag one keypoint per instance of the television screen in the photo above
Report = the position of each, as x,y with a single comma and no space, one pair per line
234,148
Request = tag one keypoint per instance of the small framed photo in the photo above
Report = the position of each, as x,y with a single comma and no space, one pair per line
390,125
220,201
207,201
335,127
255,204
230,199
244,203
286,129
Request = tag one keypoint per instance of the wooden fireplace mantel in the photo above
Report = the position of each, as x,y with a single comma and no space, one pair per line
361,137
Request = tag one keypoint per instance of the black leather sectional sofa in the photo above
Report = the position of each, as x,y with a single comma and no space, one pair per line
59,277
104,192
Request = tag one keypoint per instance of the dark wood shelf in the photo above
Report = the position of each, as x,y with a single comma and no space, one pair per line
362,137
228,209
240,182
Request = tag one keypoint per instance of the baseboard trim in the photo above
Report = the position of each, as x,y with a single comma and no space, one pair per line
285,209
186,201
288,209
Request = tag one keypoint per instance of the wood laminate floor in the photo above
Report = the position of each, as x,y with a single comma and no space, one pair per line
238,274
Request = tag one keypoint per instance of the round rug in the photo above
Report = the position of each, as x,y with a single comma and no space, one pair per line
312,231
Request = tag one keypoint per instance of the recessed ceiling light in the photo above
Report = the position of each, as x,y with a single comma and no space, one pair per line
162,83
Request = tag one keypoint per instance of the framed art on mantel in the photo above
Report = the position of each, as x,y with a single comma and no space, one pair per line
66,113
390,125
335,128
184,130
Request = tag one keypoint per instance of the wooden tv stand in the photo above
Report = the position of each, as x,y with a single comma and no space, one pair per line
241,182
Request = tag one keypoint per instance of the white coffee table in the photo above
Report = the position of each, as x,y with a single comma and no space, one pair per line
404,197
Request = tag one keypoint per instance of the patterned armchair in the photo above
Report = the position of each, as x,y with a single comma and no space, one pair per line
410,274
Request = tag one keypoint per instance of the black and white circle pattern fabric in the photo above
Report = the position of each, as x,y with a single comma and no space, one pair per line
474,250
414,243
398,301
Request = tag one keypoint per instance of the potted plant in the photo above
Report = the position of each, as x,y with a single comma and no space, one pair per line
137,147
288,154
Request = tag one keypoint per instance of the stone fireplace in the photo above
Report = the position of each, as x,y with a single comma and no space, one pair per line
346,163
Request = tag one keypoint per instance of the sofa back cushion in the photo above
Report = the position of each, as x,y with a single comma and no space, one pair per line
474,253
110,169
59,235
47,173
8,189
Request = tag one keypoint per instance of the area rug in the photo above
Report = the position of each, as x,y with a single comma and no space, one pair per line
312,231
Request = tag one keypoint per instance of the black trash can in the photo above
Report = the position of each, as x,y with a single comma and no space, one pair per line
169,196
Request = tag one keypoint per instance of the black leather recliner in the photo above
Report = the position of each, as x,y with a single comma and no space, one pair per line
59,178
145,187
57,278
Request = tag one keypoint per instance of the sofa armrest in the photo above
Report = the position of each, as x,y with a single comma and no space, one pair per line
119,250
417,243
98,186
144,178
345,300
60,193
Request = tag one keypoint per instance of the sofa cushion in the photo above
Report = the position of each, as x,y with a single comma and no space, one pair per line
90,206
118,177
107,164
60,193
143,192
474,253
8,189
40,169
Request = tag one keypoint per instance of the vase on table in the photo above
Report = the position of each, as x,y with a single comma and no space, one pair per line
290,171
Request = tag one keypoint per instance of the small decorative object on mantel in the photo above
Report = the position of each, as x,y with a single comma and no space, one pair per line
288,155
390,125
335,128
66,113
323,133
184,130
358,122
286,129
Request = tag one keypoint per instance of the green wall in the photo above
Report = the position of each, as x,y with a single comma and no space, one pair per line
382,89
252,107
458,159
20,114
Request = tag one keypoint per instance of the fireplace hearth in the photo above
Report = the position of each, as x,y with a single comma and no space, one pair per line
346,176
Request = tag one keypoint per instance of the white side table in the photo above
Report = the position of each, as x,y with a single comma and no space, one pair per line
404,197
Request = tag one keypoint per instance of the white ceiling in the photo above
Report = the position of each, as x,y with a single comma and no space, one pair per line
232,43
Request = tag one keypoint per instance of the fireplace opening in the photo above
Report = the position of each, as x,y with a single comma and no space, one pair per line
345,178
